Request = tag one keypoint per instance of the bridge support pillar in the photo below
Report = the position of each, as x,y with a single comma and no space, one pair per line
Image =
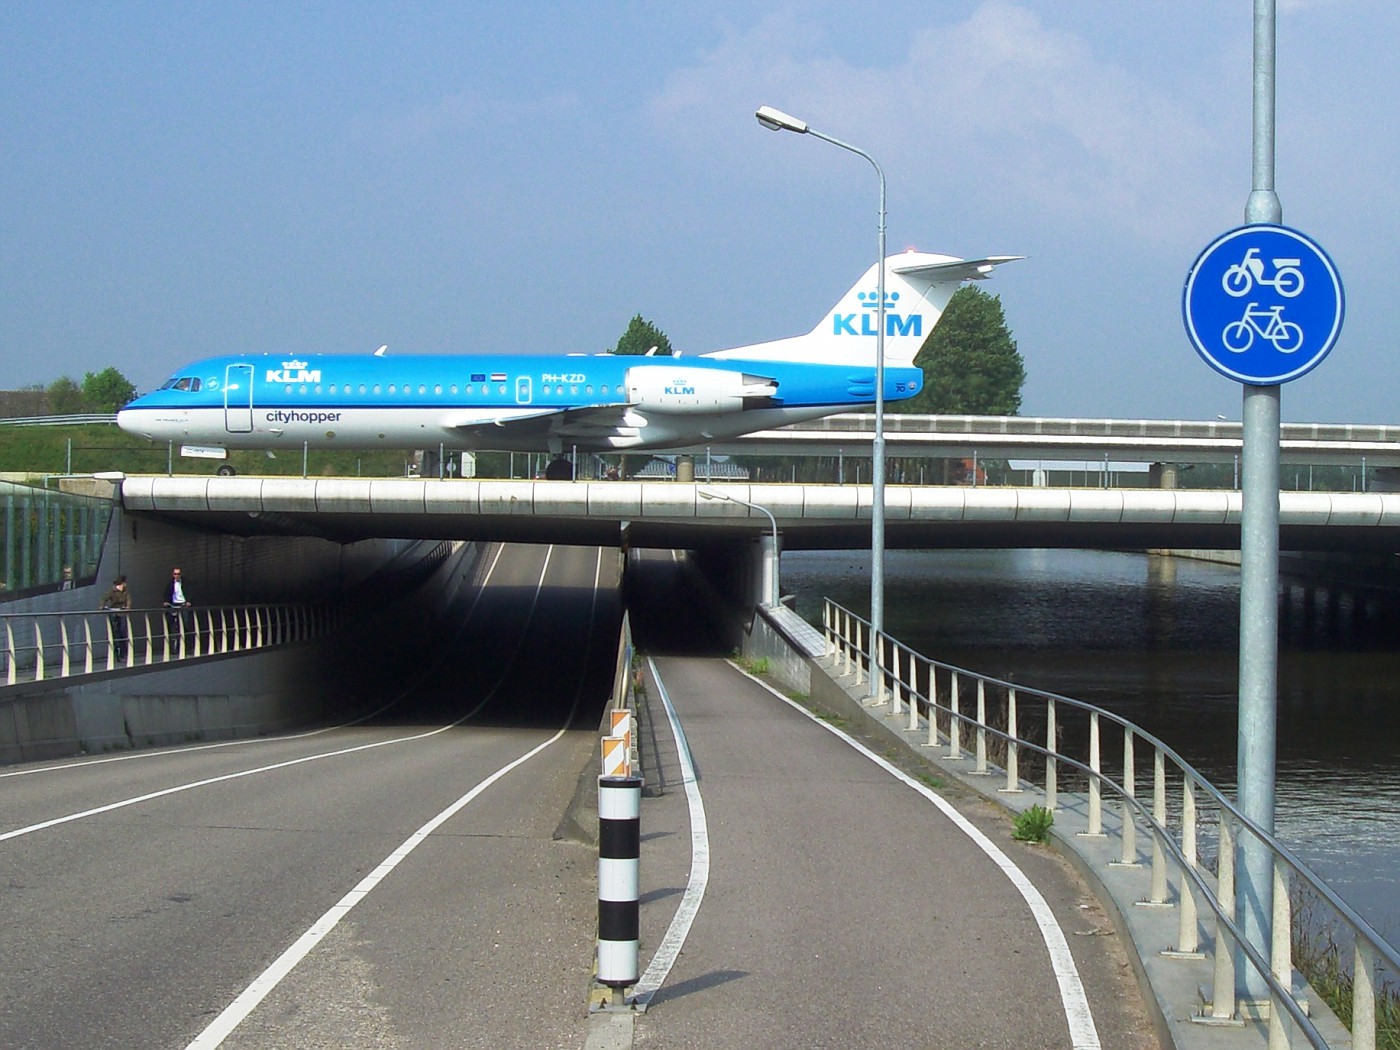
769,589
685,469
1163,475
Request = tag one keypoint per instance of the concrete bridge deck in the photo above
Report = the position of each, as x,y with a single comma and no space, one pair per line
670,515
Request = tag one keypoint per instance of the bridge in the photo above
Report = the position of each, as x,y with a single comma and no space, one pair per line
1049,438
678,515
278,534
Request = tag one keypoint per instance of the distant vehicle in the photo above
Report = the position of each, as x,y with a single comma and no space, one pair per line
533,403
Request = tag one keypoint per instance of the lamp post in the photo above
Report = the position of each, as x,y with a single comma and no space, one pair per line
774,590
776,120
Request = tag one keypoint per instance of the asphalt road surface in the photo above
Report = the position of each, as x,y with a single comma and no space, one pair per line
146,893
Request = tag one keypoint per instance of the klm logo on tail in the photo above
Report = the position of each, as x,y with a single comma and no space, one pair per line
895,323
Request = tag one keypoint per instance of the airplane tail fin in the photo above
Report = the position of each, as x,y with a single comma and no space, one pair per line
918,286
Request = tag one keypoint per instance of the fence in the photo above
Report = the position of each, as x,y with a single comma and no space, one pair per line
1051,741
41,647
43,531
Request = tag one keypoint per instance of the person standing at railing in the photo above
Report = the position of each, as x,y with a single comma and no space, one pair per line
117,602
176,601
67,584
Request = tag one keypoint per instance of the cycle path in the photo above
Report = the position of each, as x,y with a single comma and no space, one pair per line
841,905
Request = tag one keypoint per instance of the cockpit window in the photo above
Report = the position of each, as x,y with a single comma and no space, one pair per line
182,383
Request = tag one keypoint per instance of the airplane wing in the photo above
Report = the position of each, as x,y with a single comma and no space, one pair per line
958,270
591,422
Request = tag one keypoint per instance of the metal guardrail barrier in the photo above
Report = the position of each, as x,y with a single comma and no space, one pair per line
953,704
41,647
77,419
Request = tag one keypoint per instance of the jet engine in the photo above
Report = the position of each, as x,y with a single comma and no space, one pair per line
682,389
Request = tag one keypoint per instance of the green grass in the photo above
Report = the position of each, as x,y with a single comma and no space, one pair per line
1321,960
1033,825
930,781
47,450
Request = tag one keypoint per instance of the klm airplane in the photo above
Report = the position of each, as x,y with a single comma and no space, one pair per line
597,403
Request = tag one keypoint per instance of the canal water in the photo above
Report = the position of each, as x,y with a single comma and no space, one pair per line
1155,640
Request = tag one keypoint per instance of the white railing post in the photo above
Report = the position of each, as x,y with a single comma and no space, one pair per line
896,686
980,768
954,721
38,652
1281,957
1052,768
1188,937
1095,788
65,663
1013,747
1128,856
1222,1005
913,725
859,650
1363,997
87,644
1158,894
13,663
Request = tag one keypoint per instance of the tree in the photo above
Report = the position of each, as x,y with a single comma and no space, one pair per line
65,399
107,390
641,336
970,361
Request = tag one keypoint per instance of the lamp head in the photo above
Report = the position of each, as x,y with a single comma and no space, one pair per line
777,120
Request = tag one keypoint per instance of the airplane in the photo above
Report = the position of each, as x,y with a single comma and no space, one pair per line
534,403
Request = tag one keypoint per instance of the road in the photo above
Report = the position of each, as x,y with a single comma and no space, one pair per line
146,893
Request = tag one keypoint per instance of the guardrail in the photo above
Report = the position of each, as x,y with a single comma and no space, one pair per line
953,704
78,419
41,647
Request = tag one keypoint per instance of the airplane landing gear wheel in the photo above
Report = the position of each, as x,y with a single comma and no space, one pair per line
226,470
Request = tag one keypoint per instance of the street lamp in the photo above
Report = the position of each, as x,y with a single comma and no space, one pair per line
773,590
776,120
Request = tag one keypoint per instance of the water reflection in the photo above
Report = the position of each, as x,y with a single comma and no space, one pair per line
1155,640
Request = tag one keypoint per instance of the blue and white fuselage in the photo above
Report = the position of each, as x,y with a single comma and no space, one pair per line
599,403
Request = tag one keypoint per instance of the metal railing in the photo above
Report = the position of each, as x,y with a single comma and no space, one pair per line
76,419
41,647
1042,739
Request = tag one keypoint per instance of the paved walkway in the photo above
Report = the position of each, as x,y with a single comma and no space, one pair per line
845,904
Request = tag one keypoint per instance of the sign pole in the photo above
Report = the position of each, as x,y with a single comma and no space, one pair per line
1258,687
1263,305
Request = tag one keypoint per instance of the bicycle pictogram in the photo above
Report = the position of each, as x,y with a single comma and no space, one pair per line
1286,336
1249,271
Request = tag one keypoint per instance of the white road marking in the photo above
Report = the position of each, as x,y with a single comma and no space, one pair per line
670,948
1083,1033
238,1010
136,800
223,1025
165,752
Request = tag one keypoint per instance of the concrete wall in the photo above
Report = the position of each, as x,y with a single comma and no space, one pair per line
771,638
226,696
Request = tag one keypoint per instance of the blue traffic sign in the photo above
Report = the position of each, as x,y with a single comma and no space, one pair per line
1263,304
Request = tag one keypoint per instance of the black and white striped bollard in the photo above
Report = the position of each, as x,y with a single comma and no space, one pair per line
619,856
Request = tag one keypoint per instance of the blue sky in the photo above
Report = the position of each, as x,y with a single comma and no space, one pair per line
185,179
